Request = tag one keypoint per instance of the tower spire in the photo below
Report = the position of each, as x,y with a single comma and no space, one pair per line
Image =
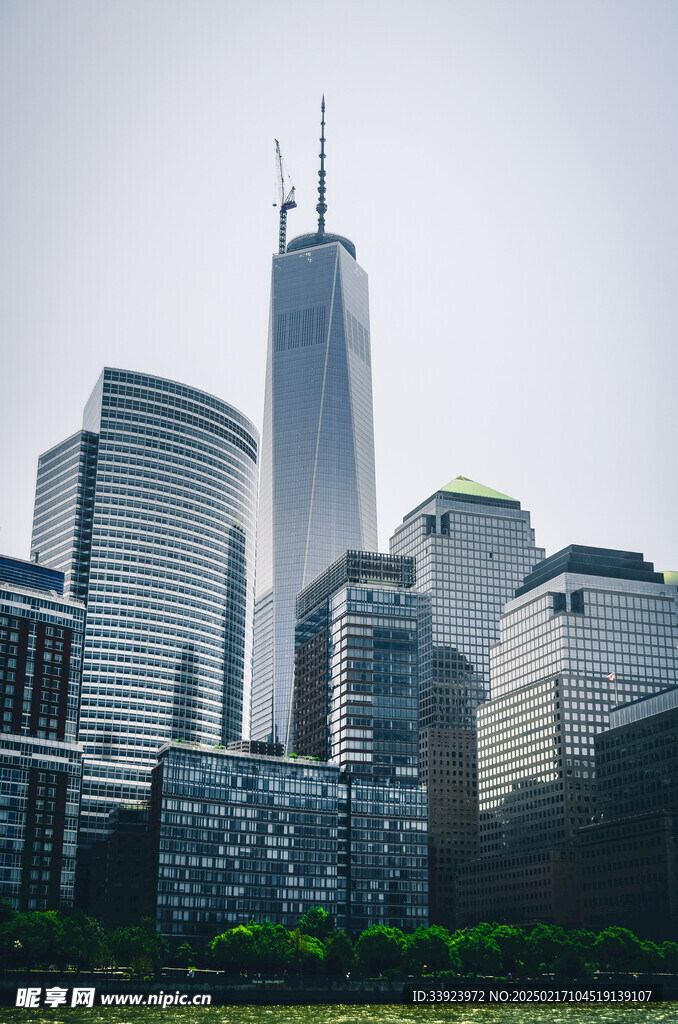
322,205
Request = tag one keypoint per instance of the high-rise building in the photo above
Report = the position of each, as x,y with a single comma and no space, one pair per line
473,547
356,679
629,857
362,632
318,495
41,635
591,628
150,509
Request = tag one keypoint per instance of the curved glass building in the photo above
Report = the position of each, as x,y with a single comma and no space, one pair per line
150,509
318,495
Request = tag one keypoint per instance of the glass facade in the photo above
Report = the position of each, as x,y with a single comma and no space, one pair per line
64,506
536,739
41,639
473,547
168,507
318,493
243,837
356,688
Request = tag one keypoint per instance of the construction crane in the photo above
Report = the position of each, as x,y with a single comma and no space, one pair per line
287,201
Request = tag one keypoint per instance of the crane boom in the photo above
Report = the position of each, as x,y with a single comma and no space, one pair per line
287,201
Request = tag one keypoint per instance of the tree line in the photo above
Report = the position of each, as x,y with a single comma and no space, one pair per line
69,939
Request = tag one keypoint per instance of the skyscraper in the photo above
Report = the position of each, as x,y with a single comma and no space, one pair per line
591,628
318,495
473,547
151,510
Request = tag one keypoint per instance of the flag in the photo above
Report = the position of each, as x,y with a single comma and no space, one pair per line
612,677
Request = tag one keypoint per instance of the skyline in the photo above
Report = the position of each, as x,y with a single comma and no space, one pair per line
505,173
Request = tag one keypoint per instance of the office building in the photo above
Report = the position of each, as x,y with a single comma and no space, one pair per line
150,511
590,628
356,680
473,547
241,837
629,857
41,635
318,494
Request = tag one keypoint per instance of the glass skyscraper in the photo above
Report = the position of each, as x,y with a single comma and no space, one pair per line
150,511
318,495
473,547
590,629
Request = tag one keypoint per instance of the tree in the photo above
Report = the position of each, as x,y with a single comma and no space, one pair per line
618,949
316,922
544,948
428,948
185,955
234,950
339,954
652,956
477,952
308,953
273,949
81,941
141,947
379,948
670,952
512,946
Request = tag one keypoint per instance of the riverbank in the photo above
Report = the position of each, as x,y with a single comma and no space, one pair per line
218,989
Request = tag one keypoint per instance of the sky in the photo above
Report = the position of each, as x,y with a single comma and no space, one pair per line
507,171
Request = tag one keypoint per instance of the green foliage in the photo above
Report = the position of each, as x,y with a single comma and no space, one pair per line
617,949
670,954
233,951
185,955
379,948
30,939
652,956
82,943
512,945
477,953
339,954
316,922
428,949
308,953
140,947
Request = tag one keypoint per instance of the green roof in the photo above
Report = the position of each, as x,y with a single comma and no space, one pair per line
671,578
462,485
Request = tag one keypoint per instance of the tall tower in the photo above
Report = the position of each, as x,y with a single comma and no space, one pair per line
150,512
318,495
473,547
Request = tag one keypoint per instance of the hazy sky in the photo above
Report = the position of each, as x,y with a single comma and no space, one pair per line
507,170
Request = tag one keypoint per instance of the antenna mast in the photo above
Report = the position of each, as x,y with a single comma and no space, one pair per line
322,205
287,202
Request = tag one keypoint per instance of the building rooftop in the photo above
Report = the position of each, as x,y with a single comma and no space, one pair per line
30,575
462,485
589,561
312,239
356,567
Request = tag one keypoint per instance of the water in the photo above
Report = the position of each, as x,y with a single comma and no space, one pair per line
653,1013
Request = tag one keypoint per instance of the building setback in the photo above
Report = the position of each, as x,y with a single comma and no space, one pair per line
473,547
150,511
590,629
41,636
318,495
